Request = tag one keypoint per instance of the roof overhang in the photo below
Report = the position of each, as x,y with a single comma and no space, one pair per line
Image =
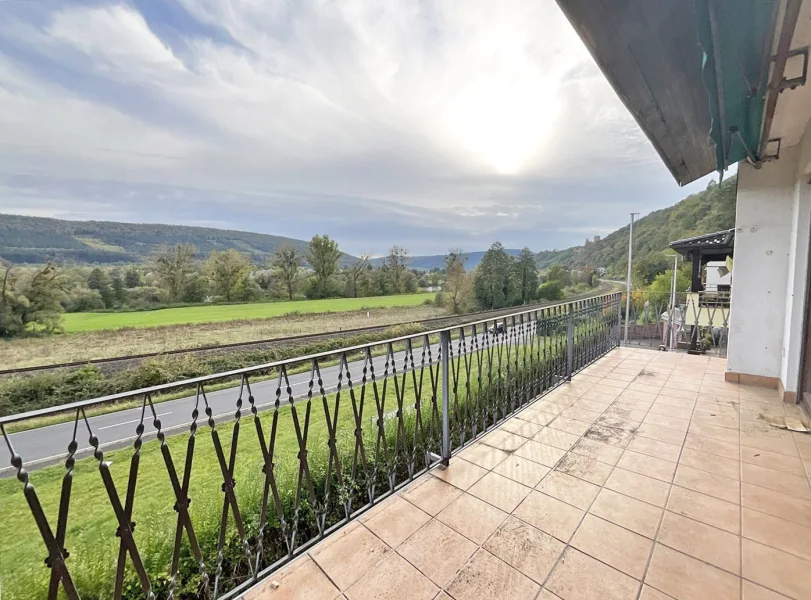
708,247
696,73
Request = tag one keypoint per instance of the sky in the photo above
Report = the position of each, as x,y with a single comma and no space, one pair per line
428,124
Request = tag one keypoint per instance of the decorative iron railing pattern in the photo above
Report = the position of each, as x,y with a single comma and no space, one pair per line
312,441
699,323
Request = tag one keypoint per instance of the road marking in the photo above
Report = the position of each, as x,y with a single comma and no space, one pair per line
133,421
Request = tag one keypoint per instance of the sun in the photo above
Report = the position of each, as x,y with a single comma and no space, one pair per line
503,120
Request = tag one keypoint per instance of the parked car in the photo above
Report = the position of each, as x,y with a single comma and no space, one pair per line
497,328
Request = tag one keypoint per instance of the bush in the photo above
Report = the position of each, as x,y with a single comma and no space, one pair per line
551,290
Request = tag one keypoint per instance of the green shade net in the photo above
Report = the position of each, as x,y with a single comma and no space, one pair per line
741,42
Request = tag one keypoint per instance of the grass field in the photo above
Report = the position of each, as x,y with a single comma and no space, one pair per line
82,322
105,343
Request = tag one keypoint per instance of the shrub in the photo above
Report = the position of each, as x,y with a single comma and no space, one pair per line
551,290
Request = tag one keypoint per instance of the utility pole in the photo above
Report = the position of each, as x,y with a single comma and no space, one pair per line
628,284
672,312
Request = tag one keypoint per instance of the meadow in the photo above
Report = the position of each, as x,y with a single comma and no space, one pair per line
187,315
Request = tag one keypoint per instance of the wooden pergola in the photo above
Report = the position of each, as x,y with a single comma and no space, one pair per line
702,249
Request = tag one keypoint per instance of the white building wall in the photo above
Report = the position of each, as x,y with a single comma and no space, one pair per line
796,288
763,221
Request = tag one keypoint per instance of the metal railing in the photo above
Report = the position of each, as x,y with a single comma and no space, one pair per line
699,323
313,442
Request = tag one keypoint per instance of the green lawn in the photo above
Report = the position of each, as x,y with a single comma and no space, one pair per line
79,322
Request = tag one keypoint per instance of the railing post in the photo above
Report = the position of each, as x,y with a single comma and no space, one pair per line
570,343
444,351
619,319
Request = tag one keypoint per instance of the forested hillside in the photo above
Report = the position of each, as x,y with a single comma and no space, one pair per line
437,261
710,210
36,240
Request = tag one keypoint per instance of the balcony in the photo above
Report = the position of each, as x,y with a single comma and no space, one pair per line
647,472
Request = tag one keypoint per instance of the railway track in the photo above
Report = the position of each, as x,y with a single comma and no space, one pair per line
116,363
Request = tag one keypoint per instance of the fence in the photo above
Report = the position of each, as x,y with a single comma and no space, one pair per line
313,442
699,323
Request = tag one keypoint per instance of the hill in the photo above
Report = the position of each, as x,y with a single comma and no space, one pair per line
437,261
36,240
712,209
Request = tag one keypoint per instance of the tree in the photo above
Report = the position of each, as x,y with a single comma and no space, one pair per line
174,267
227,271
285,266
31,298
395,267
550,290
647,267
132,278
492,284
457,283
526,276
559,274
323,255
118,288
357,276
97,280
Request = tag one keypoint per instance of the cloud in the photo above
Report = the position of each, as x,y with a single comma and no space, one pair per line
431,124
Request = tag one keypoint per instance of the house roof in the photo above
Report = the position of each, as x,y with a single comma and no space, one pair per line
711,246
693,73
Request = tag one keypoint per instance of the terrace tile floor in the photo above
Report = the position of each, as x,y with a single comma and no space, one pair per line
647,477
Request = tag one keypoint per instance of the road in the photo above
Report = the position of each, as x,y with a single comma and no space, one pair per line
48,445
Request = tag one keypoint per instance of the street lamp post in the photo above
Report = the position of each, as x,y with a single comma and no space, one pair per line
628,283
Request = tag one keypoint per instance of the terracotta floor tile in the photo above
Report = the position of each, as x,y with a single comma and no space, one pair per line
618,547
686,578
630,404
593,405
500,491
438,551
611,436
708,483
674,423
473,518
460,473
714,432
550,515
752,591
715,546
556,438
776,569
778,533
776,480
577,428
540,453
581,414
522,470
485,576
523,428
667,408
585,468
395,520
525,548
503,440
616,421
655,448
431,494
627,512
649,593
301,580
547,595
348,554
596,450
393,579
719,465
648,465
708,510
775,503
711,446
630,414
574,491
637,395
483,455
536,417
605,394
663,434
580,577
783,445
641,487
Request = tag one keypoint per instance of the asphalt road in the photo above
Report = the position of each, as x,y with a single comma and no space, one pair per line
48,445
